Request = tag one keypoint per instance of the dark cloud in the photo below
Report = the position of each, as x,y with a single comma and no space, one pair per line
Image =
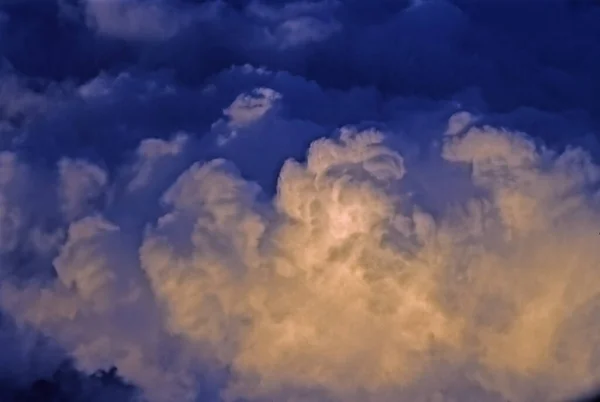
422,48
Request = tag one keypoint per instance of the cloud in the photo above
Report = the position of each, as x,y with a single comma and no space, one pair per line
341,284
131,20
336,301
300,201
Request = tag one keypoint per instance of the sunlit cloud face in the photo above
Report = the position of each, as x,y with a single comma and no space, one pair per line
341,283
239,205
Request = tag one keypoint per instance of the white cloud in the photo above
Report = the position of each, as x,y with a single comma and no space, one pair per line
302,212
343,283
340,282
336,289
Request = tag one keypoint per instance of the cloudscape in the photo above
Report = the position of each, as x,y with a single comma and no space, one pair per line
299,201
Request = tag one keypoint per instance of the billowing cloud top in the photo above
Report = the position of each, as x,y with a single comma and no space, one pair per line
299,200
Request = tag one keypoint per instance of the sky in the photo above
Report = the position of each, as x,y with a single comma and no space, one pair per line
299,201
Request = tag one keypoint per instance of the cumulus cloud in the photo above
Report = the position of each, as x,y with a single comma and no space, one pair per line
341,283
299,201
